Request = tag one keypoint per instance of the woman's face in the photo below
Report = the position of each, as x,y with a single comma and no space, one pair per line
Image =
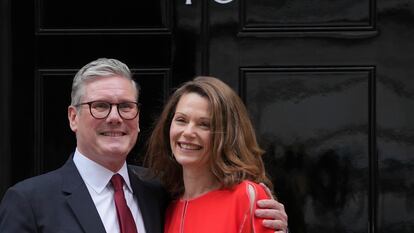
190,132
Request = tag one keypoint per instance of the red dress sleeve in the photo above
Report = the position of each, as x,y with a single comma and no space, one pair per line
257,226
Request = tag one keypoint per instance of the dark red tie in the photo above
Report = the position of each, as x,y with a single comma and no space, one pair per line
125,219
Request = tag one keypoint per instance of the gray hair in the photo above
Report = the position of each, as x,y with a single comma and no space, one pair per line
102,67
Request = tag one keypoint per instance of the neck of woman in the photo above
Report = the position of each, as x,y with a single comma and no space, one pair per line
198,182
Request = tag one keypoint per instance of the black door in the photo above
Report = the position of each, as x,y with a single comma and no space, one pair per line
328,85
48,42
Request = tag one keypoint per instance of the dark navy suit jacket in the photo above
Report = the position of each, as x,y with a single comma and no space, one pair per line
58,202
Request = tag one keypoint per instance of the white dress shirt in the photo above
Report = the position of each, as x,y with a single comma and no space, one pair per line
97,179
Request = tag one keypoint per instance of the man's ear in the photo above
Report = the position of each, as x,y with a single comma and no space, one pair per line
139,130
73,118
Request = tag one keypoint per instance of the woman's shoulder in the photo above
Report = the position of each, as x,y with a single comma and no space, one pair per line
247,188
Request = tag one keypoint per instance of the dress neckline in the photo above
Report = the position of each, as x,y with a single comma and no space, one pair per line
206,194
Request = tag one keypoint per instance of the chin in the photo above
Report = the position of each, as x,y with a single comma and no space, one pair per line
185,162
117,151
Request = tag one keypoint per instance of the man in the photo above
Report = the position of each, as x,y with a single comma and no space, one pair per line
79,196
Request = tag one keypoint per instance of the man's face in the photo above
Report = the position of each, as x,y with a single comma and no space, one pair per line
106,141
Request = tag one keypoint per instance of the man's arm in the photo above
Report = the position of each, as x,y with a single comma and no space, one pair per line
16,214
273,213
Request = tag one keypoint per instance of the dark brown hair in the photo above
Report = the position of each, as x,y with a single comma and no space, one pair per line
235,154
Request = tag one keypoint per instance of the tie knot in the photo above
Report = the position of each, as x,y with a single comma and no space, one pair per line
117,182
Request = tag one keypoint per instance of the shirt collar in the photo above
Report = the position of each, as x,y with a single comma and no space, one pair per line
95,175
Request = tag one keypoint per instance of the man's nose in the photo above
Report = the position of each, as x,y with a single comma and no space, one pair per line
113,114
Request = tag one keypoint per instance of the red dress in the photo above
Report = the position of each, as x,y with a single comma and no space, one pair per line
218,211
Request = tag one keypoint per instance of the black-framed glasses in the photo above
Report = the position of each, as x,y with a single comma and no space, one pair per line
101,109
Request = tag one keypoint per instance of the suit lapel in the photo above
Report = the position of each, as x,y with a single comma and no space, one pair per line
79,199
148,207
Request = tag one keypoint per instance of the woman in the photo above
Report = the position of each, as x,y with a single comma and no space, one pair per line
204,149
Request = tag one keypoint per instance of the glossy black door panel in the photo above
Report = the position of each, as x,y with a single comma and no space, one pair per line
314,124
89,16
310,16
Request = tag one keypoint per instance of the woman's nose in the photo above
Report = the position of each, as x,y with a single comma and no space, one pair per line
189,130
